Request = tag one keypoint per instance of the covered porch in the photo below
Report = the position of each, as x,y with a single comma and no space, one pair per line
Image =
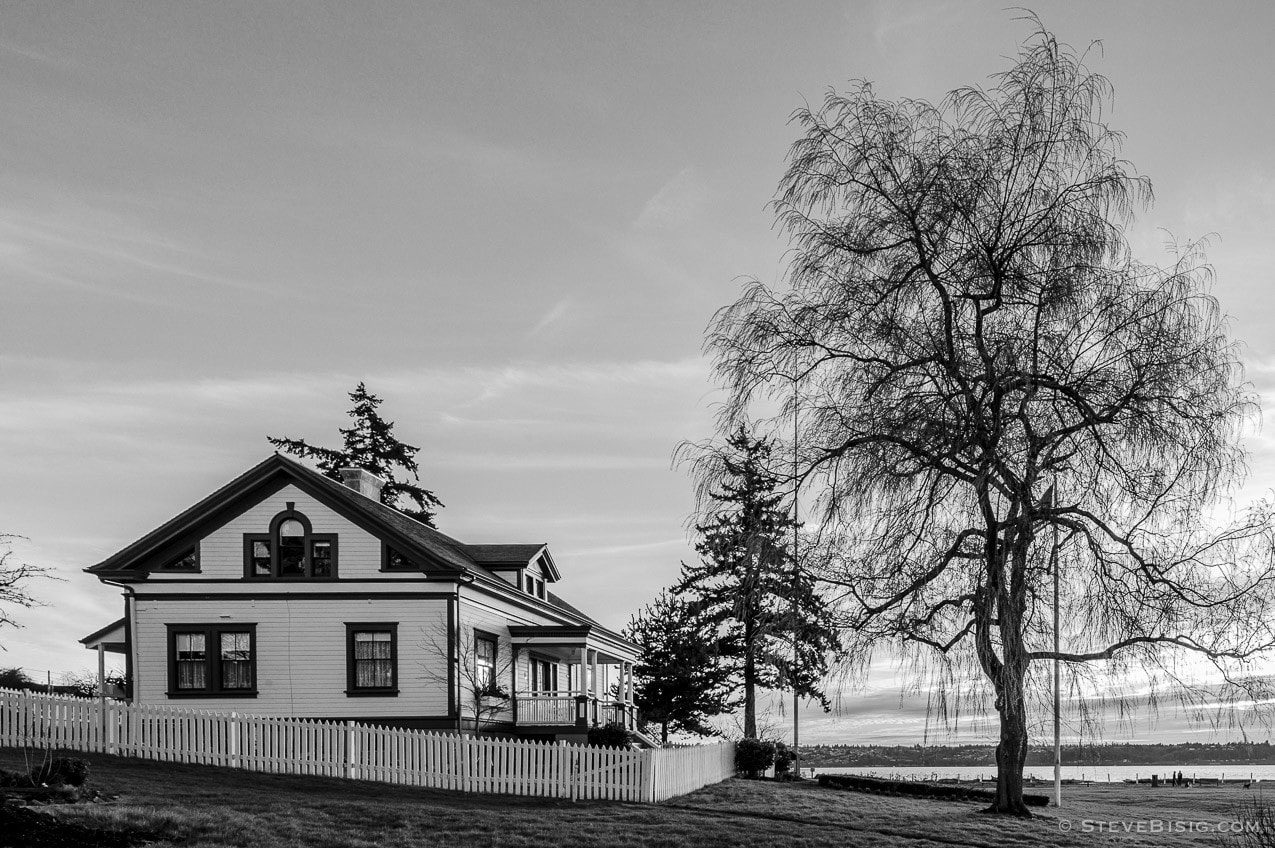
577,678
111,639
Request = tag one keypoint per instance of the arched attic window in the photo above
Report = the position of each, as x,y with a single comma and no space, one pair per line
291,550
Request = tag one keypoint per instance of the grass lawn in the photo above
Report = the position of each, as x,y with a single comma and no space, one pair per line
206,807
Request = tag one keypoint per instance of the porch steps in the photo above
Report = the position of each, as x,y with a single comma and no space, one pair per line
647,741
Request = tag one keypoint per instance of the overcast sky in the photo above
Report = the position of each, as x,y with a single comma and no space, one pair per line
512,220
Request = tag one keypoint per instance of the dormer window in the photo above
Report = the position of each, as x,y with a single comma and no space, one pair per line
534,585
290,551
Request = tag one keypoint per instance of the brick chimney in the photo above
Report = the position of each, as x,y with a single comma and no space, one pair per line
362,481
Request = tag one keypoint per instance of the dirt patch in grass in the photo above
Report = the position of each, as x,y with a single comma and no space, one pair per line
23,827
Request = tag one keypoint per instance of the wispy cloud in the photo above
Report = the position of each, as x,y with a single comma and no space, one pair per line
643,547
677,203
553,317
90,247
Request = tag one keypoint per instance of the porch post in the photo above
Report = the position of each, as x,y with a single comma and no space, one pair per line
582,690
101,690
513,682
597,691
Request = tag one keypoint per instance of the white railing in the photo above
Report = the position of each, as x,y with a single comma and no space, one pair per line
347,749
558,709
535,708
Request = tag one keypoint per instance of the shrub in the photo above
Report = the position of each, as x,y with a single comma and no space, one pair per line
15,678
610,736
61,771
754,756
784,758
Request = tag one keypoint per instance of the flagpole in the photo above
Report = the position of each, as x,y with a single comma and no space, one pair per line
796,656
1053,554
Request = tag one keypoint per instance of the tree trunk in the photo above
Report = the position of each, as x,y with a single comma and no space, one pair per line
1011,750
664,733
1002,605
750,696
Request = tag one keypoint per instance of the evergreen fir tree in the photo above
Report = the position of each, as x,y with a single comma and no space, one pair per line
678,682
370,444
747,587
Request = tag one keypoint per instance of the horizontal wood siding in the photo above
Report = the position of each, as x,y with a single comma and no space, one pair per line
301,653
479,614
221,552
351,750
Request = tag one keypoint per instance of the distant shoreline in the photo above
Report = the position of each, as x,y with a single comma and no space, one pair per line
984,756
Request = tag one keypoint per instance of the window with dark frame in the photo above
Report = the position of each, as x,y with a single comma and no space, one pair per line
187,560
290,550
394,560
485,663
236,659
191,657
216,660
371,658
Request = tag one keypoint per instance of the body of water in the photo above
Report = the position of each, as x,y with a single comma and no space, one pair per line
1045,774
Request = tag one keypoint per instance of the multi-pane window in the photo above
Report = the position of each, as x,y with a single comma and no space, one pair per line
290,548
260,557
236,660
544,676
290,551
535,585
212,659
192,661
485,663
322,557
372,659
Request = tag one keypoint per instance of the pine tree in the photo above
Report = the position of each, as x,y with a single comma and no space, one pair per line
679,683
370,444
746,584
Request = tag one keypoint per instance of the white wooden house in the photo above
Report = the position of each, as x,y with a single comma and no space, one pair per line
286,593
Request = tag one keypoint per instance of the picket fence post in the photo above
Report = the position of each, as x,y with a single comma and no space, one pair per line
648,775
349,749
232,741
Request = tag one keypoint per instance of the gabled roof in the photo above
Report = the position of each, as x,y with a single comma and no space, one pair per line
118,624
504,554
416,541
438,552
514,556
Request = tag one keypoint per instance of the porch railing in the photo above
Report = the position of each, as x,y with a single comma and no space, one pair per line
563,710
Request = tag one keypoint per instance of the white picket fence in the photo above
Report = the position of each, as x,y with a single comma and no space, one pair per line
363,752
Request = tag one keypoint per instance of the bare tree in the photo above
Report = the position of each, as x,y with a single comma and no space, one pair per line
983,375
480,678
14,579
